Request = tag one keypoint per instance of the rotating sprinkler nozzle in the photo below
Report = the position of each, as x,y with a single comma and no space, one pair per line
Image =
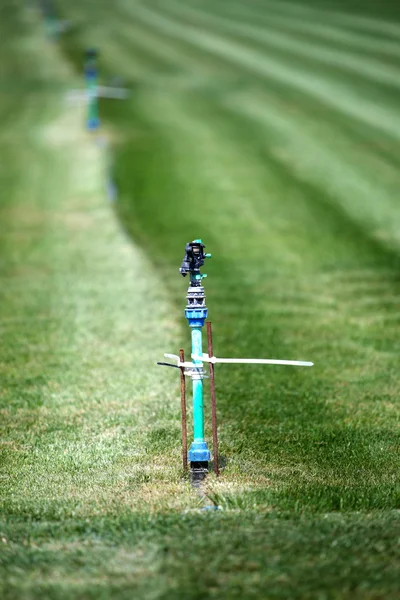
193,260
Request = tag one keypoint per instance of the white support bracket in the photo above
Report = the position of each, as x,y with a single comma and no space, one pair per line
194,370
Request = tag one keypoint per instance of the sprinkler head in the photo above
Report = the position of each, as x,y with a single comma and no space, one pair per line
91,53
194,258
90,67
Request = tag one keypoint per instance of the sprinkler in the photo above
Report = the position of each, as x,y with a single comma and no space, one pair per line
196,313
93,91
52,24
50,19
91,79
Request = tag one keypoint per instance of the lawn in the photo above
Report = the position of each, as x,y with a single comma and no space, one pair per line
272,131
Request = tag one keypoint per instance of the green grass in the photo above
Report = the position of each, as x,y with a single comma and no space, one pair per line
272,131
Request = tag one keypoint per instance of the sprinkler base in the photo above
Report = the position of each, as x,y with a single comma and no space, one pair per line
93,124
199,453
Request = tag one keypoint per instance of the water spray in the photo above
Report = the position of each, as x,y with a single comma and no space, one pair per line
196,313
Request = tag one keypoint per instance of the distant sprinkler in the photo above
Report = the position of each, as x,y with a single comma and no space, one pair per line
93,91
50,19
196,313
53,25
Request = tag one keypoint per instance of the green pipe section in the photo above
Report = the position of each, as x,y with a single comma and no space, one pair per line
198,401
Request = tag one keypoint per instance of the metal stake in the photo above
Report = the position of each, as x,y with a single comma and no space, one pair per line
183,409
213,400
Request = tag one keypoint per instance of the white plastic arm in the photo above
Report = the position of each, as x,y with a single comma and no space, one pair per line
112,92
253,361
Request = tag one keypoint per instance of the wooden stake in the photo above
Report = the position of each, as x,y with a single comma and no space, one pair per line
213,401
183,409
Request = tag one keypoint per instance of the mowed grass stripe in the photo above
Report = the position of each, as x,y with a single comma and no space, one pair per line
173,55
334,95
127,54
139,53
337,74
196,68
268,39
338,166
185,58
359,22
362,44
359,167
